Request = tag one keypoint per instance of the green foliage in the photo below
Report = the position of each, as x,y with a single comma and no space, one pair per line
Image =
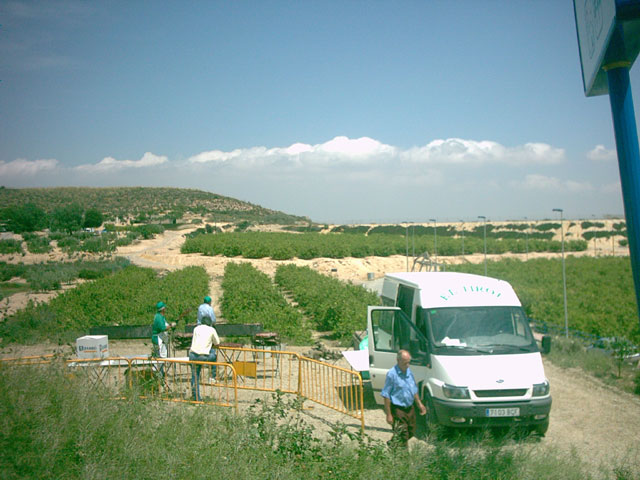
544,227
334,305
587,224
37,243
11,270
127,297
250,297
601,234
99,244
24,218
55,427
92,218
67,218
604,360
282,246
10,246
144,203
303,228
600,292
51,275
622,348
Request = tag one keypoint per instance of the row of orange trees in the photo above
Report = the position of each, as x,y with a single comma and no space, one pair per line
334,305
127,297
285,246
323,303
600,292
251,297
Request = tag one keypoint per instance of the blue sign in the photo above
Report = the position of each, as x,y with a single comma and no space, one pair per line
608,32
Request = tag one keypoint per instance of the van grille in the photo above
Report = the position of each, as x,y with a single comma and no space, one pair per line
514,392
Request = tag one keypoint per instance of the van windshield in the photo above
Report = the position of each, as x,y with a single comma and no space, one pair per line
478,330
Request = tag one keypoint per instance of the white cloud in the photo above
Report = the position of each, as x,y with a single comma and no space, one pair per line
21,166
340,150
542,182
576,187
601,154
345,151
111,164
614,187
472,152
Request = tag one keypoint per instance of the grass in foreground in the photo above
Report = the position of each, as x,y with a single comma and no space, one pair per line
55,427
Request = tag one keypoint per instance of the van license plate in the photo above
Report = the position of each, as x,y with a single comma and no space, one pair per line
502,412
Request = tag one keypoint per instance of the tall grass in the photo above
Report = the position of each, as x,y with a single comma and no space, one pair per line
53,426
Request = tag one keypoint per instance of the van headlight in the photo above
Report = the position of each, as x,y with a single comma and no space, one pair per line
540,389
458,393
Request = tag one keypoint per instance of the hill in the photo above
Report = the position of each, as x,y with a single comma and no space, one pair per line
126,203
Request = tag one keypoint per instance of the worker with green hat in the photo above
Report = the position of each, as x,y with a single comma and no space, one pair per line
159,331
206,310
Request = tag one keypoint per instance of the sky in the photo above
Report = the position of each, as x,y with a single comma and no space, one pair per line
344,111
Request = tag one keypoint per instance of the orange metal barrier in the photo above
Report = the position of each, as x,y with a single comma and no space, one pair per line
270,370
171,379
237,369
263,370
30,360
334,387
106,373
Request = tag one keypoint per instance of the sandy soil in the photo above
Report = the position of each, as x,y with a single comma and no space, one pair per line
588,418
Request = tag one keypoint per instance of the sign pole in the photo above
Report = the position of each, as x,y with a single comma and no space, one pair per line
624,124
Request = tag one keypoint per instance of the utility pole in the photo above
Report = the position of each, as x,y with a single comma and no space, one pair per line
564,276
482,217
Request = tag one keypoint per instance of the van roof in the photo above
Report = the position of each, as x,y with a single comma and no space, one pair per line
453,289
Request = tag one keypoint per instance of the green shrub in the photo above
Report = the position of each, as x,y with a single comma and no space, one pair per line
11,270
10,246
127,297
38,244
250,297
333,305
56,427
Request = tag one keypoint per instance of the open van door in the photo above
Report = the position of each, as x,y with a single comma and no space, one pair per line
391,330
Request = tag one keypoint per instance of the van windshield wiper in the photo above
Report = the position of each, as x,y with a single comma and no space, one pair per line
470,348
510,346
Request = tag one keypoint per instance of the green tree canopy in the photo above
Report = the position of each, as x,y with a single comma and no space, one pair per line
68,218
24,218
92,218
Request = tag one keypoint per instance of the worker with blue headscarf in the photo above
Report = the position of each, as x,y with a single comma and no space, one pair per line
206,310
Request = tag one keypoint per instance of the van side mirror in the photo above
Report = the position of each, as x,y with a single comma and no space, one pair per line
546,344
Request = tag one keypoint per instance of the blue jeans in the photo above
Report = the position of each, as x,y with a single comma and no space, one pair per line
195,371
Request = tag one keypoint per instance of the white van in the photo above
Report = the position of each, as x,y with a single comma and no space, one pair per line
474,357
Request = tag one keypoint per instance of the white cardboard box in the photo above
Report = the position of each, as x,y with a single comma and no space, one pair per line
93,346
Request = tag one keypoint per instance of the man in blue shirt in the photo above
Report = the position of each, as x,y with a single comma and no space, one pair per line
400,393
206,310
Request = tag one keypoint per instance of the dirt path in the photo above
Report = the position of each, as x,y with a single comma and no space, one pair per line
594,421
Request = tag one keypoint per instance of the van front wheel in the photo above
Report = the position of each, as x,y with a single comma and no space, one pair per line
428,421
541,428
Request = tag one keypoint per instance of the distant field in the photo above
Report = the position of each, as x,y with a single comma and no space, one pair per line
284,246
600,293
